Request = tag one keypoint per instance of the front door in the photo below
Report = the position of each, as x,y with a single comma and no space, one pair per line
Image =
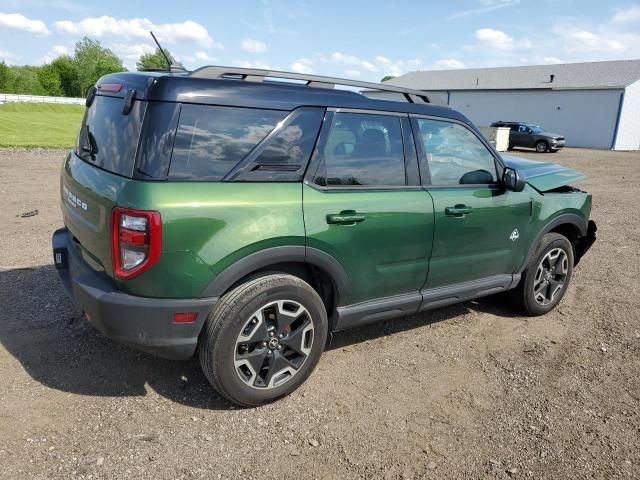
478,223
363,204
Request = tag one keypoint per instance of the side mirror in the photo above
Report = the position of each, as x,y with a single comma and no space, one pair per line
513,180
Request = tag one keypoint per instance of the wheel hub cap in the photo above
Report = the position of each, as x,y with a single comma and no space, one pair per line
551,276
273,344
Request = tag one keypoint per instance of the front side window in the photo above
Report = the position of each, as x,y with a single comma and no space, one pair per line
362,150
455,156
210,141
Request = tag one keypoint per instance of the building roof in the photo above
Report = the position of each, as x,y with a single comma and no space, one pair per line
611,74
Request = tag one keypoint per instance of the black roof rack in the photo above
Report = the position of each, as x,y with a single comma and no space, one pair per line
259,75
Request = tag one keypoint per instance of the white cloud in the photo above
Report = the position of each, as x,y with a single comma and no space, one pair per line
551,60
485,7
8,57
631,14
398,67
344,59
204,56
20,22
249,64
448,64
575,39
352,73
253,46
54,53
500,40
139,28
302,65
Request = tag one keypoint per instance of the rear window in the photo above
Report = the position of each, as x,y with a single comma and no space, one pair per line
210,141
108,139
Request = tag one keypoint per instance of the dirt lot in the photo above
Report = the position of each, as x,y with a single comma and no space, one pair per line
469,391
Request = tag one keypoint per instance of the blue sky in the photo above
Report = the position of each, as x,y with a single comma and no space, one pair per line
355,39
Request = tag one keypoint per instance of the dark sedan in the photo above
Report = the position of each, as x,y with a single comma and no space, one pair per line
532,136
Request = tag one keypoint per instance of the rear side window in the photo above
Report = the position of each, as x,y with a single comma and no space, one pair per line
455,156
362,149
287,150
108,139
210,141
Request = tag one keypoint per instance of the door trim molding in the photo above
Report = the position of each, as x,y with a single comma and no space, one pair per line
406,304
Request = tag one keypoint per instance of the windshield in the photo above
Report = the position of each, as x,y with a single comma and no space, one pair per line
536,128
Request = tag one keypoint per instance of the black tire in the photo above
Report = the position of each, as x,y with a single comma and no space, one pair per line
525,295
218,343
542,146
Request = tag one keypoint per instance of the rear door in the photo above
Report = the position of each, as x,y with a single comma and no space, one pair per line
477,222
363,203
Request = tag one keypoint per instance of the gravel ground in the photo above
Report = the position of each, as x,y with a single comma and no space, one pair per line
468,391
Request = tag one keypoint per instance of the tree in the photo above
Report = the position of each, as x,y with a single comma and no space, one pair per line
50,80
387,77
4,76
25,80
94,61
153,60
68,74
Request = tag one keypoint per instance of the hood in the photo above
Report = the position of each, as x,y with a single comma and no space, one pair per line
551,135
544,176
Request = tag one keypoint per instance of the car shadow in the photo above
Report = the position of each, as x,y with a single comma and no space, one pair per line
58,348
61,350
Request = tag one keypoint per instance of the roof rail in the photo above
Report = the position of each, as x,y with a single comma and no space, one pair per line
259,75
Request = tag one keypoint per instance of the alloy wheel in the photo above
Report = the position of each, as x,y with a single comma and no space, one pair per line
550,276
273,344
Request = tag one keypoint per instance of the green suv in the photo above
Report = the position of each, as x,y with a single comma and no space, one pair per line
244,215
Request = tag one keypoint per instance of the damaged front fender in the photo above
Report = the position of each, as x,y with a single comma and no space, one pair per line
544,176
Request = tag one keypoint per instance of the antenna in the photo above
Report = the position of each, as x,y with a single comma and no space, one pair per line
161,49
171,63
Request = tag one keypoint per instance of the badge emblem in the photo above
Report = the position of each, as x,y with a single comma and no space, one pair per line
514,235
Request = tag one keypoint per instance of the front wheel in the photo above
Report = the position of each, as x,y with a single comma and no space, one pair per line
542,146
546,277
263,339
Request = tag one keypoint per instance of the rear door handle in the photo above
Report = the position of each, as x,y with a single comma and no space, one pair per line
458,211
346,217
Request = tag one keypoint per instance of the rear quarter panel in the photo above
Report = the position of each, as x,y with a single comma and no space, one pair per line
207,227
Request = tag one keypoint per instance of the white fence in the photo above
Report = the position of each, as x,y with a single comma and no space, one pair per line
11,98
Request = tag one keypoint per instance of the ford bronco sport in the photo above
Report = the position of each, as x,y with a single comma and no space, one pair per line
244,215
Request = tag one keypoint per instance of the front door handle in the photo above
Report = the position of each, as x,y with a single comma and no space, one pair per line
346,217
458,211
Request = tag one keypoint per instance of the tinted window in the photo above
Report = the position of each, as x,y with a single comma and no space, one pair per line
288,150
210,141
455,155
109,139
363,149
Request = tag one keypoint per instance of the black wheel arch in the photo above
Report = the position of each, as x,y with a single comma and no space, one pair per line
315,266
571,225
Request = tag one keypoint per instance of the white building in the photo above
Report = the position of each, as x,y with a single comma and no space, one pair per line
595,105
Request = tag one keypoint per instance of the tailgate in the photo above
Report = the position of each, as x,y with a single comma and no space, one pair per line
88,194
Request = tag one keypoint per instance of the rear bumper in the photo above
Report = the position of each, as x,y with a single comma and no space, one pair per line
584,243
140,322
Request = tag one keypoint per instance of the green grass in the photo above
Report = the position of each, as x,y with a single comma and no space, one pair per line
39,124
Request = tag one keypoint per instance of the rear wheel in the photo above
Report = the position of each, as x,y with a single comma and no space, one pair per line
546,278
263,339
542,146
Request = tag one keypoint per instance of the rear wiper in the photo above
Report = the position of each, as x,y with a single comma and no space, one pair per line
92,147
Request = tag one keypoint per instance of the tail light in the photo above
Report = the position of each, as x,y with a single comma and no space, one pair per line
136,241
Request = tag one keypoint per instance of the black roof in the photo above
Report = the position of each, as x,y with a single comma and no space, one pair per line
180,87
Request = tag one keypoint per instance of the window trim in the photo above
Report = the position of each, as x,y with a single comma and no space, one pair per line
424,164
246,163
317,161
